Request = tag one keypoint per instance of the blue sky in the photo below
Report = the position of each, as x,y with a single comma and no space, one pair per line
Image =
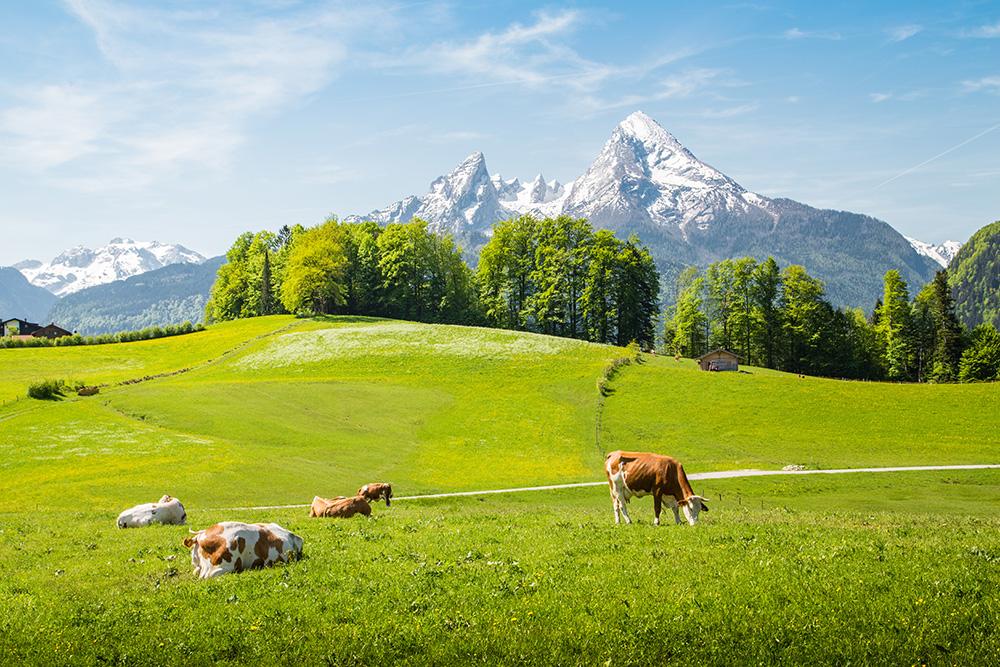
192,121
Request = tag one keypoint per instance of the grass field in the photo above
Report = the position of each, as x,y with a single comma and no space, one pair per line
890,568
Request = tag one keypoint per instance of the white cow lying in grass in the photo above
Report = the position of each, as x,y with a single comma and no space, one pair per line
232,546
166,510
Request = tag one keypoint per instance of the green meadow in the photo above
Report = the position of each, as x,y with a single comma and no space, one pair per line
884,568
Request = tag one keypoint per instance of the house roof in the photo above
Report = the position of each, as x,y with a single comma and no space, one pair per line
720,350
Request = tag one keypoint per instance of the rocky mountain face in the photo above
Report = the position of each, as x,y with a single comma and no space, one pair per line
942,253
646,182
79,268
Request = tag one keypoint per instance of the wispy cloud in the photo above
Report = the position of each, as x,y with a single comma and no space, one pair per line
987,84
797,33
984,31
903,32
530,54
186,85
879,97
694,82
732,112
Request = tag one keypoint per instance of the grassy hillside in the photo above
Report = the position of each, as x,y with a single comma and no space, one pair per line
866,569
766,419
319,408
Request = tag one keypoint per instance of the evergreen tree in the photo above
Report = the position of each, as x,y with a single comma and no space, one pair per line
947,331
894,327
689,321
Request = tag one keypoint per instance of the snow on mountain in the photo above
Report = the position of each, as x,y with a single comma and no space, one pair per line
942,253
78,268
644,174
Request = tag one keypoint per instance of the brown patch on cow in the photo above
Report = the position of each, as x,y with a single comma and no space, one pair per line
238,565
342,508
257,564
189,542
265,540
376,491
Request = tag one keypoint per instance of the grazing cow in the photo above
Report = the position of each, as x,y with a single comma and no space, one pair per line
340,507
639,474
373,492
233,546
166,510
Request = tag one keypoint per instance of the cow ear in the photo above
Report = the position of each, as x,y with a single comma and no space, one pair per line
189,542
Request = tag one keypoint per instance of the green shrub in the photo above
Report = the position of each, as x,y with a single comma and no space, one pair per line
47,390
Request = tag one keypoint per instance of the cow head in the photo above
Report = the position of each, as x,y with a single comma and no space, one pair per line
692,506
191,542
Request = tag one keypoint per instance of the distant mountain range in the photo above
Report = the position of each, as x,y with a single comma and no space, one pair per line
646,182
170,295
79,268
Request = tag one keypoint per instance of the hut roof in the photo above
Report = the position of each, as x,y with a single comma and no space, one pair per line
720,350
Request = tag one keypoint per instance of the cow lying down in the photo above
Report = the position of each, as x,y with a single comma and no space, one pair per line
340,507
166,510
232,546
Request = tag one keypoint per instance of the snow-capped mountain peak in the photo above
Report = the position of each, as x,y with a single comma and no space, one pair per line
79,267
942,253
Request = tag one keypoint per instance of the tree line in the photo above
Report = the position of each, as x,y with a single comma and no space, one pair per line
779,318
554,275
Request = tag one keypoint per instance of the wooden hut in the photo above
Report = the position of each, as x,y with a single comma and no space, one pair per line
51,331
719,360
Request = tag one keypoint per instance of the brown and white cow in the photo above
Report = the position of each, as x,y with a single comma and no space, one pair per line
374,492
233,546
340,507
640,474
166,510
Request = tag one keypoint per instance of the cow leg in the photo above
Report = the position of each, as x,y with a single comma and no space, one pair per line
614,503
657,504
624,506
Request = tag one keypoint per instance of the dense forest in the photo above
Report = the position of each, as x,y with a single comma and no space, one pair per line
554,276
779,318
560,277
975,278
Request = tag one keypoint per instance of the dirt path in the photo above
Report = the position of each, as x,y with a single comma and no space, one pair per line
721,474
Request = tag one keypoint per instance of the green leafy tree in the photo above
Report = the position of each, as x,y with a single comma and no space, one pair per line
314,281
981,360
689,321
766,292
802,311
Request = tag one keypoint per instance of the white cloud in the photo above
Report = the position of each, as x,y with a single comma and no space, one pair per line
796,33
987,84
984,31
530,54
732,112
52,125
880,97
186,84
903,32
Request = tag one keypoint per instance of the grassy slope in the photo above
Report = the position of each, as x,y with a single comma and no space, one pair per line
889,568
321,410
764,419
